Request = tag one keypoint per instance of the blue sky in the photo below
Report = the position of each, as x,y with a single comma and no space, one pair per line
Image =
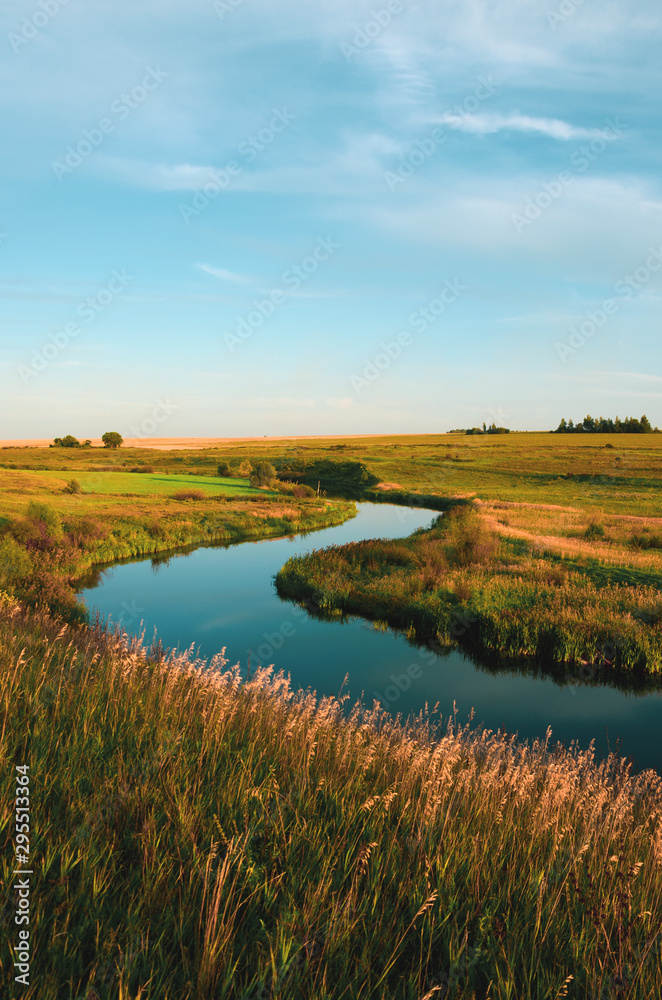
331,217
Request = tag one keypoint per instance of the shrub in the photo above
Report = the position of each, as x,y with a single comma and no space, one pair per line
188,495
262,474
111,439
245,469
224,469
155,528
470,540
83,530
142,468
283,487
646,541
594,530
15,562
301,490
69,441
73,486
45,521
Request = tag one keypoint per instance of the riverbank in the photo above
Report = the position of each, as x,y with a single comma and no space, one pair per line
586,594
49,548
200,837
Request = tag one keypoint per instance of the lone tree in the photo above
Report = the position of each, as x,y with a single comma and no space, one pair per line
111,439
263,473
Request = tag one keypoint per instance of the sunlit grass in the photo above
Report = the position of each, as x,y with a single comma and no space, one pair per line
498,590
195,837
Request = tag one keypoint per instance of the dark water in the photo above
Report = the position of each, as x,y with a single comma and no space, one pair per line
225,596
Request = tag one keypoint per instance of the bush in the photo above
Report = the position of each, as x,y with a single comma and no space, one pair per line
594,530
470,540
15,562
73,486
83,530
262,474
111,439
188,495
284,487
224,469
245,469
646,541
45,520
301,490
142,468
69,441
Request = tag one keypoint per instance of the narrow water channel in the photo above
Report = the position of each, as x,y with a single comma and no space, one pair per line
217,596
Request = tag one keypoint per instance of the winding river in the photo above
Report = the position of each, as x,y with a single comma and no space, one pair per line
217,596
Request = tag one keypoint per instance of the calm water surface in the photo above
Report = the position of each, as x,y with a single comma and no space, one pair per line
225,596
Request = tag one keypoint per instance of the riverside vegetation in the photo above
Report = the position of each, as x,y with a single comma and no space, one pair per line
201,836
198,837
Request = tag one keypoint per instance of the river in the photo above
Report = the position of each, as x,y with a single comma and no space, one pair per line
217,596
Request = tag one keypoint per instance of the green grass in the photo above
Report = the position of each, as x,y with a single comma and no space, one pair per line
158,484
195,838
557,491
571,470
462,582
46,550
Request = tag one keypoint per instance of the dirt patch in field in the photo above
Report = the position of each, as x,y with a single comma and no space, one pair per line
12,481
505,504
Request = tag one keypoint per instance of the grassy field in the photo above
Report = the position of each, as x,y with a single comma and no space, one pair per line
155,484
584,596
51,538
570,470
200,837
197,838
575,522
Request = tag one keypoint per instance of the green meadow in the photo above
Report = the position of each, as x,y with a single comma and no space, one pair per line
202,836
155,484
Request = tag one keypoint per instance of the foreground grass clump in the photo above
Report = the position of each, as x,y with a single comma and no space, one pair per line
195,837
506,592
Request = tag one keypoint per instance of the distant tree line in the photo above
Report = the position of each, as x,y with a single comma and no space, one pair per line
605,425
492,429
69,441
111,439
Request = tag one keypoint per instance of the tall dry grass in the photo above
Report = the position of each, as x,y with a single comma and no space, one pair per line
196,835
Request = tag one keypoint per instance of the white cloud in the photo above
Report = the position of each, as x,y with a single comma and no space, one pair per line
487,124
220,272
156,176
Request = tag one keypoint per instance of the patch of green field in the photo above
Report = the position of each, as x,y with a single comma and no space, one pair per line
156,484
571,470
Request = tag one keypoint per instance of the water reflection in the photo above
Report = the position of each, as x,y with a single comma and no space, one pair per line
224,596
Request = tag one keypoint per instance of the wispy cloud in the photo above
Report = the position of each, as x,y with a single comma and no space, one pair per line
156,176
486,124
224,275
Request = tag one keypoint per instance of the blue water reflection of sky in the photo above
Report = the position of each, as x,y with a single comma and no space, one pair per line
215,597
